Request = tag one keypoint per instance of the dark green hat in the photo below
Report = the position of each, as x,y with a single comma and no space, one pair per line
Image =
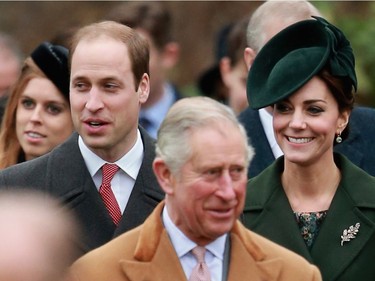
293,56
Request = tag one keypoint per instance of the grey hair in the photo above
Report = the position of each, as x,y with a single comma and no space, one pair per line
273,12
187,115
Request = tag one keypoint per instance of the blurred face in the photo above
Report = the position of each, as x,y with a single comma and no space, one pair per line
104,100
234,78
208,195
42,118
9,70
305,124
161,61
32,233
157,71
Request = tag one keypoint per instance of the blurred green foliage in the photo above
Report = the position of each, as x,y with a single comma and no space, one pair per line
356,20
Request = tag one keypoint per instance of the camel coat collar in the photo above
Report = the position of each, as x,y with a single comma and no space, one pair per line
152,252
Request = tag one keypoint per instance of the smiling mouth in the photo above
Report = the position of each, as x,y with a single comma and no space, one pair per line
222,212
95,124
34,135
299,140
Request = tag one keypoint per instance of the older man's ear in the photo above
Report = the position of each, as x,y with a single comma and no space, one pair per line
249,56
163,175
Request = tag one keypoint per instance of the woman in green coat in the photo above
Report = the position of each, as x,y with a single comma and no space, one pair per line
312,200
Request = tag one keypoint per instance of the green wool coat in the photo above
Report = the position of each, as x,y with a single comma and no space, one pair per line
268,212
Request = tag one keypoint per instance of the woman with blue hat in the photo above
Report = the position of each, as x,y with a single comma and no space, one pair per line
312,200
37,115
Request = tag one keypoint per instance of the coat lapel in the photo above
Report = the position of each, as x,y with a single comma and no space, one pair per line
269,213
154,248
344,212
336,258
67,187
247,259
79,193
277,223
146,193
156,269
152,251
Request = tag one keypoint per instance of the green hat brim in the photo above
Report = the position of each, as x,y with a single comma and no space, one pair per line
287,62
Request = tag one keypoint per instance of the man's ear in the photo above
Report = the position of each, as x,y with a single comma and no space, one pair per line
225,69
249,56
163,175
144,88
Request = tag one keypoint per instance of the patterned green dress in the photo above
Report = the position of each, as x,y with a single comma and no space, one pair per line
309,224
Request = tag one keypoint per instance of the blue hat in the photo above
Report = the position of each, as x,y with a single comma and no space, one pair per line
293,56
53,61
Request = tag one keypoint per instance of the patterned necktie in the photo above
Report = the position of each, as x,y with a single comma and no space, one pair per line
201,271
106,192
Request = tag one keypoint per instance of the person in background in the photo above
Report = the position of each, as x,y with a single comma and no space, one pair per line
10,62
103,172
226,80
63,36
233,69
210,82
267,20
153,21
312,200
38,237
11,58
37,116
205,190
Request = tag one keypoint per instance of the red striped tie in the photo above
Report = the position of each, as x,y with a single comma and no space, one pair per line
106,192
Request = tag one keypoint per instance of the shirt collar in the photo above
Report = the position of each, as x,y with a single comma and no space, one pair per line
183,244
130,163
266,120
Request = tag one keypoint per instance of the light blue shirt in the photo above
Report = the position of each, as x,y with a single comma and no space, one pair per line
157,112
123,182
214,251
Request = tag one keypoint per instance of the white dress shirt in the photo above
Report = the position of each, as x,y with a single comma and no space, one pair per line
214,251
123,181
266,120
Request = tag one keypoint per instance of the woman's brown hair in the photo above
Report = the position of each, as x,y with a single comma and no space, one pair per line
10,149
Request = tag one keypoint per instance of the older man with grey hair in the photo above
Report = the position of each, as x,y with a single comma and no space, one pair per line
201,164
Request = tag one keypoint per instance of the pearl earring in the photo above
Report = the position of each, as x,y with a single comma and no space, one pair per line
339,138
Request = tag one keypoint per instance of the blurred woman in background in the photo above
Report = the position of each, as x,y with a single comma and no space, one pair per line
37,116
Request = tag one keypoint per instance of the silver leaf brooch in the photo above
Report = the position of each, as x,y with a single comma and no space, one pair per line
350,233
